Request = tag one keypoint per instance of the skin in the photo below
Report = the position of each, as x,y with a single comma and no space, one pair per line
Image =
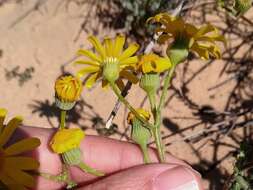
122,163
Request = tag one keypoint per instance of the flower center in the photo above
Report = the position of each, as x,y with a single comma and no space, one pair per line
110,60
111,69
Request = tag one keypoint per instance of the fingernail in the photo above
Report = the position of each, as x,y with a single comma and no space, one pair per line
179,178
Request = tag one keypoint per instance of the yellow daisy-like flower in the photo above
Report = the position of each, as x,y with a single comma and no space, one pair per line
153,63
199,40
110,62
13,167
68,88
66,139
143,113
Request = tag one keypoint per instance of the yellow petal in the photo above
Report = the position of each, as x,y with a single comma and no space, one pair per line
22,146
97,45
118,45
21,177
87,70
91,80
3,113
129,51
148,67
190,29
22,163
10,183
128,61
200,50
129,76
9,129
205,29
108,47
86,62
162,64
90,55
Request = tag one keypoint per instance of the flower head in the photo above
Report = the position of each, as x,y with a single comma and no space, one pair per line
111,62
199,40
68,88
66,139
143,113
13,167
152,63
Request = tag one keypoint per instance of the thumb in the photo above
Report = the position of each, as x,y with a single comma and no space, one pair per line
150,177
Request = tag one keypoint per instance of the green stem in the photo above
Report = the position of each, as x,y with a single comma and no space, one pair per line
156,129
90,170
167,82
159,144
63,119
144,150
127,104
152,101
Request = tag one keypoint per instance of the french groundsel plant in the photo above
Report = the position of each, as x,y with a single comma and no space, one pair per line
15,167
112,62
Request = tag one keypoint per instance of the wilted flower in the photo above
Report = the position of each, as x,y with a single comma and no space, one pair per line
199,40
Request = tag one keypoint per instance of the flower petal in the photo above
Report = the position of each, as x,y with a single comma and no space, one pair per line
87,70
129,76
21,177
200,50
91,80
9,129
129,61
162,64
86,62
118,45
22,163
108,47
10,183
90,55
97,45
22,146
129,51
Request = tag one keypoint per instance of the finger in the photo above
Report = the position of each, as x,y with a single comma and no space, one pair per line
150,177
103,154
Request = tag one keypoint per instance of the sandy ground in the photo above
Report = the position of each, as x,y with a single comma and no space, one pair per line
45,39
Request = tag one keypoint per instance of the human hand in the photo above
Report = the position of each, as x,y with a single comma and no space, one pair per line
122,163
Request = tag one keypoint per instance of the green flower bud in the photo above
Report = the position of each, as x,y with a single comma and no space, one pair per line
178,52
111,69
72,157
150,82
140,134
64,105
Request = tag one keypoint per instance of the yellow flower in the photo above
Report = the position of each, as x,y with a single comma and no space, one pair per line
68,88
199,40
143,113
66,139
110,62
13,167
153,63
